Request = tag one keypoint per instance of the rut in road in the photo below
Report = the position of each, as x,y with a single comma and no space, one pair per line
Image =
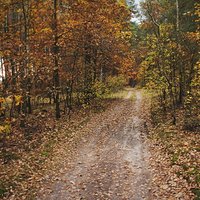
112,163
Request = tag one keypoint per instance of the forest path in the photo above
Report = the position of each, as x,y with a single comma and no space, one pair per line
112,162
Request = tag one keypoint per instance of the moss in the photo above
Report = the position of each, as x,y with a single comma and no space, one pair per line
191,124
196,191
9,156
2,191
175,158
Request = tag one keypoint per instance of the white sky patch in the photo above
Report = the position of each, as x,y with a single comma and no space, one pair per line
137,19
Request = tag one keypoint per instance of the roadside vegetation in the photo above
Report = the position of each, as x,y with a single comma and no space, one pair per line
167,63
180,143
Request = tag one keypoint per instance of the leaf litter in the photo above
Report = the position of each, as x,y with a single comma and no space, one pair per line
109,155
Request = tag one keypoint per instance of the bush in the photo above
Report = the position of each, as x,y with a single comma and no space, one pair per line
100,89
191,124
116,83
111,85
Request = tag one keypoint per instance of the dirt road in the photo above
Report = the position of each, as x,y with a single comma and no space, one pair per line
112,162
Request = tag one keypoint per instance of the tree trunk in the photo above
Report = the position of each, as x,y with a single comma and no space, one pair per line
56,77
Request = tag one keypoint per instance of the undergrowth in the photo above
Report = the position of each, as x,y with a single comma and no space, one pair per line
181,144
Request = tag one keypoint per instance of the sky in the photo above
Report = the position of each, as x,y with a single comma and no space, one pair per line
137,1
134,19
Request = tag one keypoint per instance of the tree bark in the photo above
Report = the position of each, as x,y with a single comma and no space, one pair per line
56,77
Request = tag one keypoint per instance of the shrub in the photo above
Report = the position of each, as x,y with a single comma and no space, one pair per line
191,124
100,89
116,83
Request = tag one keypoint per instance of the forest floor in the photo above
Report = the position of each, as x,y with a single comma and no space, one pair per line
111,163
110,155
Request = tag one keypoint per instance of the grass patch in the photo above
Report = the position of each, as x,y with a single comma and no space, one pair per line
148,93
2,191
48,148
164,135
9,156
175,158
196,191
45,154
117,95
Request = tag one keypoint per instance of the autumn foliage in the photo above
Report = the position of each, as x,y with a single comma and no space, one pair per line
59,50
168,57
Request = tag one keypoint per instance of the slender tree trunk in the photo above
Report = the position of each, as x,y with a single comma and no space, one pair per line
164,100
26,82
56,67
179,63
